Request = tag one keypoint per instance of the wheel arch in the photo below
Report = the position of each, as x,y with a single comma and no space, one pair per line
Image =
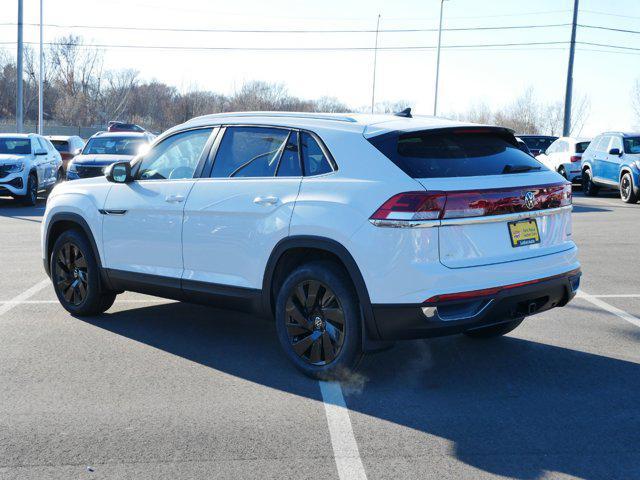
63,221
296,250
624,170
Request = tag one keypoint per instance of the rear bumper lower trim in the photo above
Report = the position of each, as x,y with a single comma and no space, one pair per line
409,321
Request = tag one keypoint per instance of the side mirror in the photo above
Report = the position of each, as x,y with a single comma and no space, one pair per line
119,172
77,151
615,151
39,151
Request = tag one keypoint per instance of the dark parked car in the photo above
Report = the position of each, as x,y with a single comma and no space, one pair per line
124,127
537,143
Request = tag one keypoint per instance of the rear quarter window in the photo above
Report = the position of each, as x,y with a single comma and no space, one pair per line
454,153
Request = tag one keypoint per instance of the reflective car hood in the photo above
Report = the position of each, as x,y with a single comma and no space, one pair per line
8,158
99,160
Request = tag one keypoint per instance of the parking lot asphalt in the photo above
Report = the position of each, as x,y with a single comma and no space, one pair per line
158,389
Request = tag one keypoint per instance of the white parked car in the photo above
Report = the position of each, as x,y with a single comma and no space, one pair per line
29,164
350,231
564,156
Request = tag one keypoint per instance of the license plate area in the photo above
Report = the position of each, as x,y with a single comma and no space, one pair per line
524,232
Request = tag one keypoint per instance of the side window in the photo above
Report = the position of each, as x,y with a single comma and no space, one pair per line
37,144
314,160
603,145
553,148
615,143
175,157
50,146
249,152
290,160
564,147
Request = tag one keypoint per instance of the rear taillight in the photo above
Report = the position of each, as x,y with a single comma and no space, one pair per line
414,206
575,158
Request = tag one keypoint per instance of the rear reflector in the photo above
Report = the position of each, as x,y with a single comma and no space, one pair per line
573,276
412,206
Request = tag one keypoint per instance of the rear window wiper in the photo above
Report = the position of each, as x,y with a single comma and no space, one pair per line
519,168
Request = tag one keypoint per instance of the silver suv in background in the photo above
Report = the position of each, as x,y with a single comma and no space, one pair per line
29,164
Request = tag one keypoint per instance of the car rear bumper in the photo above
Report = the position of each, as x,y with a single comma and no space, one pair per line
478,309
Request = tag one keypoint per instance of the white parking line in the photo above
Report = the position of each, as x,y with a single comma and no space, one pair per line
345,448
610,308
623,295
24,296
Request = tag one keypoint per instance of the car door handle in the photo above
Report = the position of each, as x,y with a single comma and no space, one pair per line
174,198
270,200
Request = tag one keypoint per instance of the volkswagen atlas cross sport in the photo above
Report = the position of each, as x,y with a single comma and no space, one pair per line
349,231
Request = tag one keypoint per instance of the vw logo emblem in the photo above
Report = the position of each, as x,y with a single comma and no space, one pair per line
529,200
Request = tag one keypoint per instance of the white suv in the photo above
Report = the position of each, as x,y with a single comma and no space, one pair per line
29,164
349,231
564,156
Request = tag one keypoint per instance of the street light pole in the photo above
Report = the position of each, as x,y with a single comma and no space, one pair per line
435,98
375,61
566,128
19,92
40,79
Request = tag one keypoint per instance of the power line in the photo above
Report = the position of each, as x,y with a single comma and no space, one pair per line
609,14
609,46
296,49
611,29
294,31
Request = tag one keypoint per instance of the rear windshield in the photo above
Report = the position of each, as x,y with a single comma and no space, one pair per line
15,146
114,146
61,145
581,146
538,143
451,153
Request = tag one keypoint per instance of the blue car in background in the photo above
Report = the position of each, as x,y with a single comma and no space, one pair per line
612,160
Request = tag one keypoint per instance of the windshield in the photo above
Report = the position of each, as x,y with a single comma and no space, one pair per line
581,146
454,153
114,146
538,143
632,145
61,145
15,146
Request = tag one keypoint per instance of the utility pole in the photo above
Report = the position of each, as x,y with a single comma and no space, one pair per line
40,79
19,92
566,129
435,98
375,61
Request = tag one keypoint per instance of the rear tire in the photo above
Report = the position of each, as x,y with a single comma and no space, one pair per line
494,330
563,172
627,192
318,320
588,187
76,276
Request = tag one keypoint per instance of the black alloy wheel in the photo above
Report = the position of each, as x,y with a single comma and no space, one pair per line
31,197
315,322
627,194
71,274
75,274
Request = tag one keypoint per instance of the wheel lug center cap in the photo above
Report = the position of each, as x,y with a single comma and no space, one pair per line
318,323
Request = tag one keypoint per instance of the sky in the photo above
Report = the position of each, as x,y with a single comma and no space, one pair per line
468,76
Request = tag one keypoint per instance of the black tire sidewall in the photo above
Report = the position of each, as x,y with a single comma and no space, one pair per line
335,278
632,194
93,302
588,187
29,199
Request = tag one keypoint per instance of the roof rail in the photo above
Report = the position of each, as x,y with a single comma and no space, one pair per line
311,115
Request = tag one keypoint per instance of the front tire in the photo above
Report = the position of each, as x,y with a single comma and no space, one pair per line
76,276
493,331
31,197
627,192
588,187
563,172
318,320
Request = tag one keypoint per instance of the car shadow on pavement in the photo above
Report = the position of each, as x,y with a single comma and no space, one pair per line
14,209
509,406
588,209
